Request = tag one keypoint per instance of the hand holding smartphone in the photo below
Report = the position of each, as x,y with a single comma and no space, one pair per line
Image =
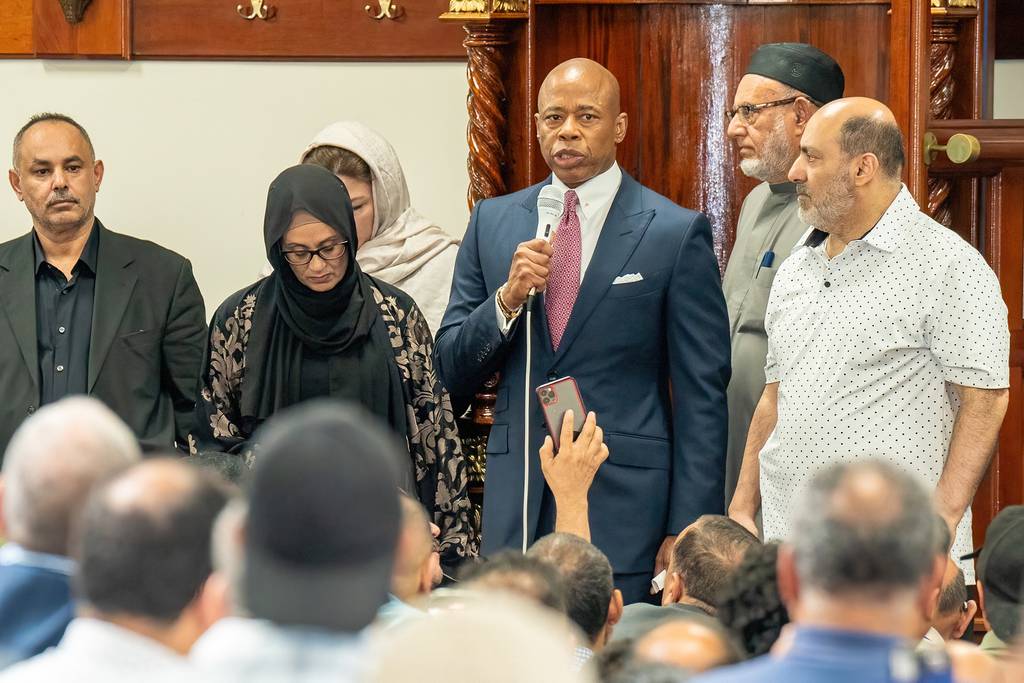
555,399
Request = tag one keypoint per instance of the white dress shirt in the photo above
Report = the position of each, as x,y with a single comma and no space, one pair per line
95,651
864,347
595,200
257,651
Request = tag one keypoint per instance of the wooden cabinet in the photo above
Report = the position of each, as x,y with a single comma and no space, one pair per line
295,29
16,28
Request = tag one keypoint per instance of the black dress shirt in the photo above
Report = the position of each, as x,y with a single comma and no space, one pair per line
64,322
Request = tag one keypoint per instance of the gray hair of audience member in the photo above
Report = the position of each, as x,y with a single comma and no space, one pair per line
515,573
228,551
52,462
143,544
954,595
229,466
586,574
650,672
707,554
866,525
500,639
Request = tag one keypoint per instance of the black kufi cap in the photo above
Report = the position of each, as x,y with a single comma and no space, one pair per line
800,66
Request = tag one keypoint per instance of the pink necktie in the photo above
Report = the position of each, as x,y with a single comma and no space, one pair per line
564,278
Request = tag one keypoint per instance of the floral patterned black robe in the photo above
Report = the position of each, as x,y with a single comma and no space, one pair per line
433,439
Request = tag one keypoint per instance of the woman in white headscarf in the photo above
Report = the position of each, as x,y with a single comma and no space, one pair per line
396,244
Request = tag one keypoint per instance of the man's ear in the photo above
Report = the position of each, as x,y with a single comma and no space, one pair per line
866,169
931,587
615,608
965,620
981,605
788,579
213,601
15,180
674,588
803,110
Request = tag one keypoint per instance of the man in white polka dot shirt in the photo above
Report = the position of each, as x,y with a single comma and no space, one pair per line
887,334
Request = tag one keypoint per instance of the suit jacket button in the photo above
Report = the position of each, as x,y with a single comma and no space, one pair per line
31,409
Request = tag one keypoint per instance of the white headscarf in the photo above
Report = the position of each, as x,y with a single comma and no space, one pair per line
405,249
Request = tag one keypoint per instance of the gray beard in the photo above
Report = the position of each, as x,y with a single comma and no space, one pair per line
777,155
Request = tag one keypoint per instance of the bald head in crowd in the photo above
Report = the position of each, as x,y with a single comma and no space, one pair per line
694,644
143,550
579,119
849,168
51,464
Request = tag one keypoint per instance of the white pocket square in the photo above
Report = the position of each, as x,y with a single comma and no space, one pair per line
626,279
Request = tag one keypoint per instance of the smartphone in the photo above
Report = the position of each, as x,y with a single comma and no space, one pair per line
556,398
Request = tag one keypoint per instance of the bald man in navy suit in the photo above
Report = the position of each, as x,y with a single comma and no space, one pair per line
632,309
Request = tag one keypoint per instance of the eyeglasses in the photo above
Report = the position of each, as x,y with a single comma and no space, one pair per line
300,257
749,112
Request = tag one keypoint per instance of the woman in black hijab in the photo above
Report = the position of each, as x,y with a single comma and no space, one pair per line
319,326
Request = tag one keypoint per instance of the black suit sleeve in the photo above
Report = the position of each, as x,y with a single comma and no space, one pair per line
183,342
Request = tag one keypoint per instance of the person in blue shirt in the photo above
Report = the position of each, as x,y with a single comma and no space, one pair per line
857,577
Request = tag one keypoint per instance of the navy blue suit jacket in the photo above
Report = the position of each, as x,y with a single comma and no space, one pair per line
35,608
625,345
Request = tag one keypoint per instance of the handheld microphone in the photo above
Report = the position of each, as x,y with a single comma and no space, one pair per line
550,203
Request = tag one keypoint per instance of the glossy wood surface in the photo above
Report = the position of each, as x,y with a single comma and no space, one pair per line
300,29
103,31
16,28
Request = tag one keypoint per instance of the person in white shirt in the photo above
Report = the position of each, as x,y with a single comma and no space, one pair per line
306,574
143,554
887,334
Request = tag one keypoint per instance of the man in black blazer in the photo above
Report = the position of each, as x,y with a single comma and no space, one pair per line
84,310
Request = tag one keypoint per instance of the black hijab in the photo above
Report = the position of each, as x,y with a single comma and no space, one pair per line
305,344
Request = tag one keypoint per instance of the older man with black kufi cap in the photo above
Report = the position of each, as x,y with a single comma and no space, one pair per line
784,85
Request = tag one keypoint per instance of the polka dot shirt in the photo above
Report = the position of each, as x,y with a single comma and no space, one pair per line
864,347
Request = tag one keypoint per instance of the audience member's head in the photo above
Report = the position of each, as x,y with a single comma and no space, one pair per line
323,518
498,640
614,658
1000,576
51,464
143,550
413,573
640,671
592,601
749,605
695,645
955,612
228,552
527,577
703,558
231,467
862,552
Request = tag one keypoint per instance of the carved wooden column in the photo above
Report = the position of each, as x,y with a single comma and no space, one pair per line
950,20
489,29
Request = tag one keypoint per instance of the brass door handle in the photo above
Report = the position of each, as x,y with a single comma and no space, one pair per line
960,148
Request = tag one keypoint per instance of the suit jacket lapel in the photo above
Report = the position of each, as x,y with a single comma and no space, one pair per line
18,293
115,281
623,228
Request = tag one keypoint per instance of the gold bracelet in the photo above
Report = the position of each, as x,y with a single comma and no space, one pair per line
505,310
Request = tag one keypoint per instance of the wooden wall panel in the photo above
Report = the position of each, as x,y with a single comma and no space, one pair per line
103,31
16,28
299,29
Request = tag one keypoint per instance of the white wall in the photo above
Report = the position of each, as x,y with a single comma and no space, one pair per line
190,147
1008,93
